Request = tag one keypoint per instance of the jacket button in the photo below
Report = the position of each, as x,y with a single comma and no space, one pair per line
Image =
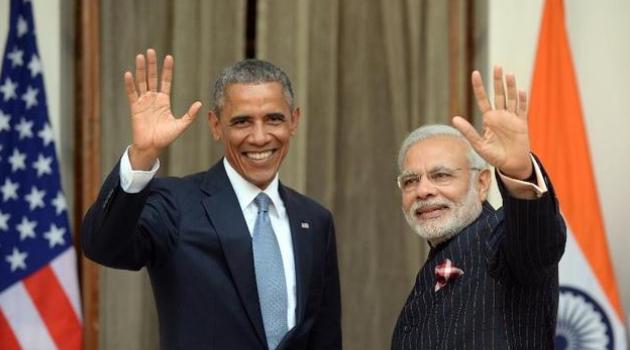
406,329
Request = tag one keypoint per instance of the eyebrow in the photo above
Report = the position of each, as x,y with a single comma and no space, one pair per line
431,170
441,167
276,115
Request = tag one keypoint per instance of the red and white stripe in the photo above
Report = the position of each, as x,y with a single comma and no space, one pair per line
43,310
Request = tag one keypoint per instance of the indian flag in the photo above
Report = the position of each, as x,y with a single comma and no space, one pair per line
590,315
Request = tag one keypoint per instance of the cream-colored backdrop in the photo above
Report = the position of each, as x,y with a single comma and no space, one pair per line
365,73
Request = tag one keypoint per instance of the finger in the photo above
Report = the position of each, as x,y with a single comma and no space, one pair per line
522,104
512,93
141,74
190,115
167,75
499,94
130,88
469,132
152,68
480,92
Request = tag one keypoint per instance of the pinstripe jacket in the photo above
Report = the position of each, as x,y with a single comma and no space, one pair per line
507,297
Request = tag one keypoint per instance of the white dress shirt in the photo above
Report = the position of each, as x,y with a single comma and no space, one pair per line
134,181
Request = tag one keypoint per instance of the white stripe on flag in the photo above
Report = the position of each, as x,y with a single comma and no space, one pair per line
65,269
575,271
21,314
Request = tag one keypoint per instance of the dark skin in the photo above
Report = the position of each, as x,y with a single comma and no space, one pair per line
153,125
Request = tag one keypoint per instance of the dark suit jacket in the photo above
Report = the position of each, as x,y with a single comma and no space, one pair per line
191,235
507,297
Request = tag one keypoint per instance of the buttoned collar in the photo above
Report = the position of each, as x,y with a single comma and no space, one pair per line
247,191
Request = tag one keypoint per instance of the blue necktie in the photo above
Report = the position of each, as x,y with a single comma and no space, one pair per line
272,288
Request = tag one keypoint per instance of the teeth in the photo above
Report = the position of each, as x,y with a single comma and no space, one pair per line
259,155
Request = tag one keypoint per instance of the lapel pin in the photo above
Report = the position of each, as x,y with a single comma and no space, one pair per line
305,225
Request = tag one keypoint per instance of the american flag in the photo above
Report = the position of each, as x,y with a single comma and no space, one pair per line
39,298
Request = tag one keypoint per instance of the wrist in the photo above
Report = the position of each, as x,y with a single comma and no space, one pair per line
526,174
142,159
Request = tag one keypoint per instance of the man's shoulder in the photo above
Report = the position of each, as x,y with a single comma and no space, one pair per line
292,196
171,181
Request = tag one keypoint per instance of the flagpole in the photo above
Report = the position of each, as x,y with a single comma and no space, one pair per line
88,153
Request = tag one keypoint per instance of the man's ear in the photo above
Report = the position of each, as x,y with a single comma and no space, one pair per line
215,125
295,120
483,183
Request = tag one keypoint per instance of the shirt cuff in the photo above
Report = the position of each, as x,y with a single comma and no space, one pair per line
523,189
134,181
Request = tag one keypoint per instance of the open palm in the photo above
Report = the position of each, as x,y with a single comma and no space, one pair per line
153,125
504,142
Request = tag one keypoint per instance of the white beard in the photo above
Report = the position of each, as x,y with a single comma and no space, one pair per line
459,216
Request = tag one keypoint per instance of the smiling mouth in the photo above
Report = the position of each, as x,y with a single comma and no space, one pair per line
430,212
259,155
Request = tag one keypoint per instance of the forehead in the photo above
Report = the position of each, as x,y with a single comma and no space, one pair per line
256,93
447,151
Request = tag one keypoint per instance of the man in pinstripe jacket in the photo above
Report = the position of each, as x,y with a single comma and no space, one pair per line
491,278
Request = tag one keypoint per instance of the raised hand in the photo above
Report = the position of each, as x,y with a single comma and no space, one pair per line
504,142
153,125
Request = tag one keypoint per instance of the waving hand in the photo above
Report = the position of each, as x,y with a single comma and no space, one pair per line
153,125
504,141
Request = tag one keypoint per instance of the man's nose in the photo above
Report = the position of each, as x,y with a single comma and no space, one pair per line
424,188
259,135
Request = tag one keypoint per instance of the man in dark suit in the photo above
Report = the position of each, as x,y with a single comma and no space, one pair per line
236,259
491,277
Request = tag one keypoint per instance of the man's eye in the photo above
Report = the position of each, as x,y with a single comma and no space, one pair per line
276,119
239,122
410,180
441,176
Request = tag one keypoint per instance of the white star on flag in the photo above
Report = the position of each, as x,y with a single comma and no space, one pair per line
9,190
55,235
59,203
26,228
16,57
42,165
46,134
4,221
8,89
22,26
35,199
30,97
17,160
17,260
24,128
35,66
4,122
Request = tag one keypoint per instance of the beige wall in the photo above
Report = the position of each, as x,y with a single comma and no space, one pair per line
598,34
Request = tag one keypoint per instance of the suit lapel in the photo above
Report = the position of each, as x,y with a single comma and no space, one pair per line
302,248
225,213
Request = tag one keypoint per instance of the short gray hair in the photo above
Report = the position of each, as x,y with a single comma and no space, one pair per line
250,71
433,130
